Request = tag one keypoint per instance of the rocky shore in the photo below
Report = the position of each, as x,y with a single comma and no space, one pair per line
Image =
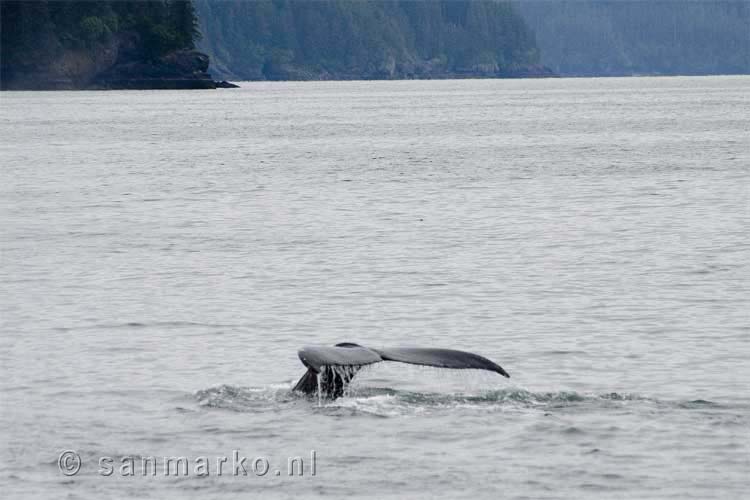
420,71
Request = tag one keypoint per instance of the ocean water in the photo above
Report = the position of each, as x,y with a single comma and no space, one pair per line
164,254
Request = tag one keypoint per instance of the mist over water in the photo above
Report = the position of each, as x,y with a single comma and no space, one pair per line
163,255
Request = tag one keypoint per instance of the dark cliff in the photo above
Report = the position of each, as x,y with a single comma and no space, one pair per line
51,45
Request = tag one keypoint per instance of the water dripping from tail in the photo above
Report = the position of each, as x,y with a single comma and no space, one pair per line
319,376
345,374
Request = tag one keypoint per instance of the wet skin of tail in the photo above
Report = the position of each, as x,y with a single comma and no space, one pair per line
330,369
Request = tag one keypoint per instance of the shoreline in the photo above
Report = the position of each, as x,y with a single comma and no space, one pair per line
189,84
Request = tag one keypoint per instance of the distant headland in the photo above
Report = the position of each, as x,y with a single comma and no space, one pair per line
368,40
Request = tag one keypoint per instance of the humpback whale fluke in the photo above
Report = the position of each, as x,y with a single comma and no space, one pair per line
331,368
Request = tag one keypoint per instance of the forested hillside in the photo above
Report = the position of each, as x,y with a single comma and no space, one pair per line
611,37
148,44
77,44
300,39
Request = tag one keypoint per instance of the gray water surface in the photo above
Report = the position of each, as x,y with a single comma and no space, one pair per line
164,254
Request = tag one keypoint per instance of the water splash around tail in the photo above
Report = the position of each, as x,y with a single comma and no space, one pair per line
384,401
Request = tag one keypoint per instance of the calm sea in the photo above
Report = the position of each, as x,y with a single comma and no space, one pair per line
164,254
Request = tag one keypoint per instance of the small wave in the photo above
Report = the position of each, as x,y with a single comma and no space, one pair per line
520,396
698,404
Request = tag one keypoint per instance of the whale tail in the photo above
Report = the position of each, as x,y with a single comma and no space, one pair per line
331,369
